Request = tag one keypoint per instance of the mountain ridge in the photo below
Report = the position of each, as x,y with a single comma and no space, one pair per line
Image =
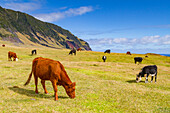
19,27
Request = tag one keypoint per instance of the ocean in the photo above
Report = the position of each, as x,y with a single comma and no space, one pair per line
165,55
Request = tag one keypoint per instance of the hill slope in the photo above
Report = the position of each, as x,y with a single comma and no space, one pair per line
22,28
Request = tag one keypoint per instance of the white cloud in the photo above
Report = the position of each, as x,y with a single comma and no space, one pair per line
166,39
120,40
146,44
151,39
51,17
22,6
142,41
78,11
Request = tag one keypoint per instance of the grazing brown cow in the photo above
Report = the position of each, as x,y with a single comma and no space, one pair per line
128,53
79,49
48,69
12,55
3,45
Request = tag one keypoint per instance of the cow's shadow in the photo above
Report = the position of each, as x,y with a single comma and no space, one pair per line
31,93
134,81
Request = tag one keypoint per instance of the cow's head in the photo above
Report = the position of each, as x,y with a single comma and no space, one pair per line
16,59
138,77
70,90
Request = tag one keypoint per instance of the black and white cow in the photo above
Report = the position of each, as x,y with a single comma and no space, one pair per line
138,59
104,58
34,51
72,51
149,70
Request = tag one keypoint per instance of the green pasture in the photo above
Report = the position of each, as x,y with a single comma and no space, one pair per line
100,87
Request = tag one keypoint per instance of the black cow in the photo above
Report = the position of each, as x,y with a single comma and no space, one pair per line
34,52
149,70
107,51
138,59
104,58
72,51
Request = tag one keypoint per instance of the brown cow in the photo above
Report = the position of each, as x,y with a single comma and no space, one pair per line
12,55
48,69
128,53
3,45
79,49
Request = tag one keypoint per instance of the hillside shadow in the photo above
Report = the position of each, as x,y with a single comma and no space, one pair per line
31,93
134,81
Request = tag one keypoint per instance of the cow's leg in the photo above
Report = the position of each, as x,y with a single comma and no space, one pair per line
43,84
155,77
54,83
151,79
9,59
36,83
146,81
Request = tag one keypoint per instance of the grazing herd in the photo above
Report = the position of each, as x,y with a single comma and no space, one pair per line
147,70
48,69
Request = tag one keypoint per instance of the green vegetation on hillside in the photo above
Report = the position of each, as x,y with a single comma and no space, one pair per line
100,87
39,32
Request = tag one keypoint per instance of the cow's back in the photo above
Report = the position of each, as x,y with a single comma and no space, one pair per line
46,68
150,69
12,54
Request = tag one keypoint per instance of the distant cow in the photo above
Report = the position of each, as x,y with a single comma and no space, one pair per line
34,52
3,45
104,58
79,49
138,59
12,55
72,51
128,53
146,56
48,69
149,70
107,51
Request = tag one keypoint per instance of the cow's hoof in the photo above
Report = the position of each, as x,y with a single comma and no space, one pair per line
56,99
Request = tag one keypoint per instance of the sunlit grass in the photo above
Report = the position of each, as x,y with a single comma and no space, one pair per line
100,87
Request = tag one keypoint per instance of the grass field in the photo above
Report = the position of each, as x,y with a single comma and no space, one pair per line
100,87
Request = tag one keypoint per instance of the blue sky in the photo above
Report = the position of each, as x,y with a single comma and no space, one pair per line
139,26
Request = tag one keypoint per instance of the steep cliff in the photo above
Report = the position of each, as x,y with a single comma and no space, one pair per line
22,28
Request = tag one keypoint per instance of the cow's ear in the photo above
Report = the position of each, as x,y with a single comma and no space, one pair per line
73,84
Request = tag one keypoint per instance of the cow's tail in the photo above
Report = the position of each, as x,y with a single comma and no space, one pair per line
28,81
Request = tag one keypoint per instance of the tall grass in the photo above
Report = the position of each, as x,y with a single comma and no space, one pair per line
100,87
